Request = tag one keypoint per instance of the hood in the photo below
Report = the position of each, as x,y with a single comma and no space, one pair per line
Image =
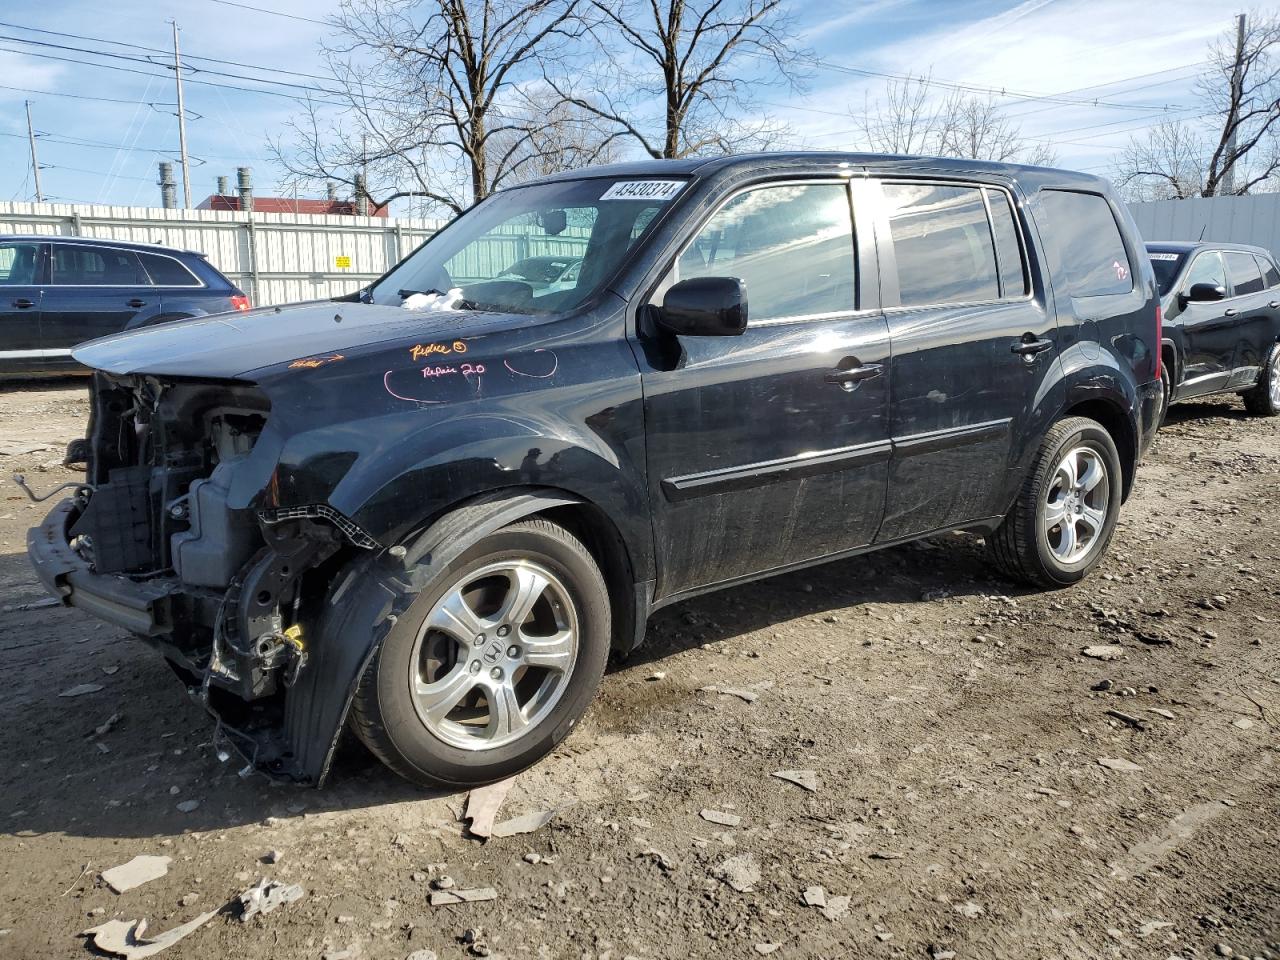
230,346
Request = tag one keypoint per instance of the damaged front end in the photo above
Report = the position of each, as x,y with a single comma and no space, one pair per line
177,535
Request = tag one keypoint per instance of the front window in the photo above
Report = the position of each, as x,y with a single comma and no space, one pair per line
1166,266
792,245
1207,268
18,264
540,249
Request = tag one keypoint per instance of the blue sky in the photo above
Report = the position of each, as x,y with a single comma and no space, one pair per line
1137,60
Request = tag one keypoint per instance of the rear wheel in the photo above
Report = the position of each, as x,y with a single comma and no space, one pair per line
493,664
1065,514
1264,399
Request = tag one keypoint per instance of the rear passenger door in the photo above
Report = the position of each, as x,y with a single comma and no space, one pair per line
971,347
93,291
1245,336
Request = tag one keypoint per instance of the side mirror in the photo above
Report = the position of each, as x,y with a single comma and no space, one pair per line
1205,293
705,307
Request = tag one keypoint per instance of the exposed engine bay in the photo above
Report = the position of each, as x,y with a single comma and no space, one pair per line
178,514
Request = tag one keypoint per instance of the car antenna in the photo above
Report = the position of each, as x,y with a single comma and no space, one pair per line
1202,230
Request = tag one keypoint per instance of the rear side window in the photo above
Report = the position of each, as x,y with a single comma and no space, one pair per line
942,243
1086,241
1013,275
792,245
18,264
75,266
1270,275
167,272
1243,272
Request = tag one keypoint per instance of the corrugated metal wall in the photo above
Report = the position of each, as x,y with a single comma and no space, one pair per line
274,257
1253,219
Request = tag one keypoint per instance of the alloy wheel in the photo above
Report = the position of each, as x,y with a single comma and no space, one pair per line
495,655
1075,508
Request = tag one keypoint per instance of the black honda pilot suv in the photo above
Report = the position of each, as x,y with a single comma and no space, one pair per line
430,510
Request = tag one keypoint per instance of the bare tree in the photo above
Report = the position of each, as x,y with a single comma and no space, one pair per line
908,119
904,119
702,60
974,128
444,80
1238,149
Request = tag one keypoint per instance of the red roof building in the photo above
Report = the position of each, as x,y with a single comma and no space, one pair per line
347,208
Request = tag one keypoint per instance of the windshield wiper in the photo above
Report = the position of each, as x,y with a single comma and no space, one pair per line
406,294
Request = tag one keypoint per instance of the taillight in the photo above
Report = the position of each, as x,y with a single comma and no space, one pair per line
240,302
1159,338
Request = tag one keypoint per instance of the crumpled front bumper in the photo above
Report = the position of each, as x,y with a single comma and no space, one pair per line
143,607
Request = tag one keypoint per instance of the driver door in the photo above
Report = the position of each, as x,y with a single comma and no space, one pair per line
1206,329
771,448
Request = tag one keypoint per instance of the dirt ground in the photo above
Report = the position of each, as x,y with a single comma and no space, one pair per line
954,727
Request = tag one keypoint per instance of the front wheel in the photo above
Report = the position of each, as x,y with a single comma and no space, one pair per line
493,664
1264,399
1066,511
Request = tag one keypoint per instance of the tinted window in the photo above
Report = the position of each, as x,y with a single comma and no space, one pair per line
942,242
1206,268
1013,277
1166,266
791,245
18,263
1270,275
1243,271
599,220
94,266
1086,242
167,272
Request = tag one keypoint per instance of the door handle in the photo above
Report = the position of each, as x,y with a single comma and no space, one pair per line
1229,312
135,302
22,303
1029,346
850,377
1274,304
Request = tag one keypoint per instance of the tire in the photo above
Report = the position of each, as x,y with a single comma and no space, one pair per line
414,734
1263,400
1024,547
1166,385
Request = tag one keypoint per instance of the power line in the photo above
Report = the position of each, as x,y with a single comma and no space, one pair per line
156,50
966,87
274,13
80,96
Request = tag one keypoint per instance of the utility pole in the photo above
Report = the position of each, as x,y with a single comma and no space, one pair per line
35,164
1237,82
182,120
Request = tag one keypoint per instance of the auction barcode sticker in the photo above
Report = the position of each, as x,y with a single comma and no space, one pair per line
1163,256
662,190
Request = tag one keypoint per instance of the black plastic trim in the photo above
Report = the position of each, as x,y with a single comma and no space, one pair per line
920,443
774,471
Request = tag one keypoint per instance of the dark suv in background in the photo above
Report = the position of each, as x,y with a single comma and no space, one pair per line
56,292
1221,322
432,509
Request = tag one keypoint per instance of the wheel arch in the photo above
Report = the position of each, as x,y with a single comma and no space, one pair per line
1116,421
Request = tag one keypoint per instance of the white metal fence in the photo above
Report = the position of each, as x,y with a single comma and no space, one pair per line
273,257
1251,219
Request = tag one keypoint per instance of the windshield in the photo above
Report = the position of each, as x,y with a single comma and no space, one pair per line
511,253
1167,266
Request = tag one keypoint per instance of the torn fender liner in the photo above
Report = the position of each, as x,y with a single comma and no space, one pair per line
363,606
356,618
